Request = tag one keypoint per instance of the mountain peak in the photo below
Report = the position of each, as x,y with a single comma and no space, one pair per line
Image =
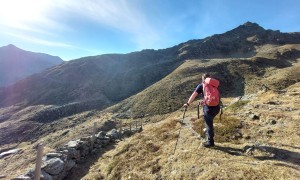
247,28
10,47
250,26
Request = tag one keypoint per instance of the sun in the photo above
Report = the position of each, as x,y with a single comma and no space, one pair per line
14,12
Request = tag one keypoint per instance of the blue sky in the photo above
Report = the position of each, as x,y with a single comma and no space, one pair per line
76,28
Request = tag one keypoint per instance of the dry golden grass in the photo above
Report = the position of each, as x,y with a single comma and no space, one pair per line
150,155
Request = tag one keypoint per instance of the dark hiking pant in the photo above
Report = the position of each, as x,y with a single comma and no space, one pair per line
209,114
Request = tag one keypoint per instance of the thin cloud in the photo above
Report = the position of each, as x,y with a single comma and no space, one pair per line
31,16
46,18
118,14
40,41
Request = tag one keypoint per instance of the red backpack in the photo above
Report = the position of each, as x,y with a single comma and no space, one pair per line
211,92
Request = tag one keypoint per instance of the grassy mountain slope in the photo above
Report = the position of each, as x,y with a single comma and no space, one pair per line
237,78
150,155
263,148
88,78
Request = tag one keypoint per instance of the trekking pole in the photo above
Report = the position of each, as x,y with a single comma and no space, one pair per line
198,111
180,129
221,113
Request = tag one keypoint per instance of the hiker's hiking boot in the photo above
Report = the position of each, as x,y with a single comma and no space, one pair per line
208,144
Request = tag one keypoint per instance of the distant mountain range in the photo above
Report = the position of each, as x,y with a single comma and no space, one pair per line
16,64
113,77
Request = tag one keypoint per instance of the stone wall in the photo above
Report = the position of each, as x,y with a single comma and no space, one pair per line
57,165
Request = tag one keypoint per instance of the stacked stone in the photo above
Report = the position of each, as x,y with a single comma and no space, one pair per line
57,165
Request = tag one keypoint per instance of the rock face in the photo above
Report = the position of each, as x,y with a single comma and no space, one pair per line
239,42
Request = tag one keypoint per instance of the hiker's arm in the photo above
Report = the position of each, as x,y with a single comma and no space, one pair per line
191,99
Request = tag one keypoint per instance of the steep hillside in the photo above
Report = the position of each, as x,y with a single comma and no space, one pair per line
260,149
238,77
74,87
16,64
257,137
107,78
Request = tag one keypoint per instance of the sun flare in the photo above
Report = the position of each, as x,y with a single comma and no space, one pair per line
20,12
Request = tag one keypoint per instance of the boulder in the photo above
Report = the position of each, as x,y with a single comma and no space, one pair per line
54,166
74,144
84,150
58,155
7,153
127,132
100,135
104,142
70,164
114,134
22,177
54,155
72,153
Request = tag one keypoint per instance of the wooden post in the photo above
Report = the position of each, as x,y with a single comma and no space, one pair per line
93,137
136,125
130,126
141,124
120,129
120,126
38,164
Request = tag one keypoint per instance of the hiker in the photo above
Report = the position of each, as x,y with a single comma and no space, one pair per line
211,105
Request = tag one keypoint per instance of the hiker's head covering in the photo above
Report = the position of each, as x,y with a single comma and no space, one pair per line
204,76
